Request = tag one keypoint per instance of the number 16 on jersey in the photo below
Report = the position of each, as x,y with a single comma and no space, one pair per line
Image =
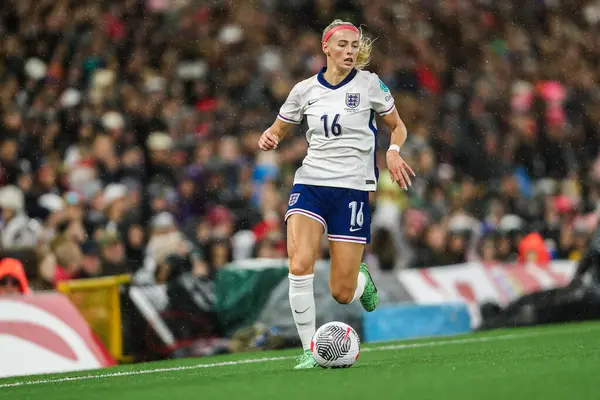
336,128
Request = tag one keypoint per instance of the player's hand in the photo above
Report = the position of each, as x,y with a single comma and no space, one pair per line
268,140
399,169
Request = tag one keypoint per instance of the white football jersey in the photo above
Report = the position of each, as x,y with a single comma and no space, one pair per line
342,133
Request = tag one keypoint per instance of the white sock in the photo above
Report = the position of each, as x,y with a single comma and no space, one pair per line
302,302
360,286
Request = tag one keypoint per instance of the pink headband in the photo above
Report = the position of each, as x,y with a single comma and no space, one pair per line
338,28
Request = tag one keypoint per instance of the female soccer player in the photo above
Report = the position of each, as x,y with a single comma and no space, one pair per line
331,188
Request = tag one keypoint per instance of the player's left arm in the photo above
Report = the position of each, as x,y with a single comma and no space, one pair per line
382,102
399,169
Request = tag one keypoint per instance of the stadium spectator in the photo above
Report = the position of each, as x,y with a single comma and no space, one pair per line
91,263
17,229
12,277
113,255
532,249
69,258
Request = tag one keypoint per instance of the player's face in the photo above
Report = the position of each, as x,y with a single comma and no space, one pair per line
342,49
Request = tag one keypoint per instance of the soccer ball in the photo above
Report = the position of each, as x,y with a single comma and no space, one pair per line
335,345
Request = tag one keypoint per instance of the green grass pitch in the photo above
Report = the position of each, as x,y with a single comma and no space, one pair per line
556,362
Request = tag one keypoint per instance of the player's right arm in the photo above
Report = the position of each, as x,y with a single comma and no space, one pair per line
290,114
273,135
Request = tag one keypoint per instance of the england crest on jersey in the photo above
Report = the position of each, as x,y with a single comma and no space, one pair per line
352,100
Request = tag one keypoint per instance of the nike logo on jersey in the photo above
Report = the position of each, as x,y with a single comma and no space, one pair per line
355,229
313,101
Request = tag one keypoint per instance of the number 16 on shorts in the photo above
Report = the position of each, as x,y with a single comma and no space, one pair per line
356,223
357,217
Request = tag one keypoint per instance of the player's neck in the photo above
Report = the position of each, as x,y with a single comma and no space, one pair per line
334,75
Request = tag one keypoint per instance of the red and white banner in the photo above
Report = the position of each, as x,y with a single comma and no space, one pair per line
45,333
475,283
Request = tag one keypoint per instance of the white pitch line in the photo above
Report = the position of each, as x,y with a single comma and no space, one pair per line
141,372
454,341
269,359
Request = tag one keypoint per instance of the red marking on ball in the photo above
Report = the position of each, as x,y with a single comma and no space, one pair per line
347,333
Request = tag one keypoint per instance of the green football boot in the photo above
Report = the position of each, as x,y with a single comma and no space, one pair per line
306,361
370,297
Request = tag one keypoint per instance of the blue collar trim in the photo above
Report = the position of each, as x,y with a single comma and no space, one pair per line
328,85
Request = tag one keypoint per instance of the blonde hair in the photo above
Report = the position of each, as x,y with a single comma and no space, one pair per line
68,255
364,47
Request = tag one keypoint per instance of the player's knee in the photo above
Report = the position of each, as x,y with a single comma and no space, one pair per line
301,265
342,295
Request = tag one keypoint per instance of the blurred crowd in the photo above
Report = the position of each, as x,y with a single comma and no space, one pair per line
128,130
